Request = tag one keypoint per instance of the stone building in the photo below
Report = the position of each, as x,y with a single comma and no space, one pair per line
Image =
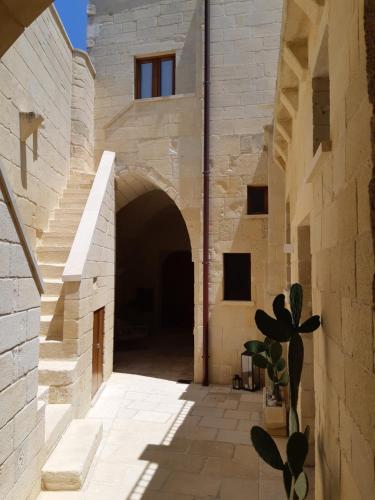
102,228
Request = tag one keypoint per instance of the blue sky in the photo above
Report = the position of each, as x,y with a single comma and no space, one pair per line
73,15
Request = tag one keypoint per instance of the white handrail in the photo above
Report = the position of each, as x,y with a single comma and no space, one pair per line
75,265
11,203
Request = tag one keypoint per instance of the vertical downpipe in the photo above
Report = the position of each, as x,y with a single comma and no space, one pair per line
206,191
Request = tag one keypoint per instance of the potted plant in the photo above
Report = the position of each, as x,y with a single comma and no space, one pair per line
268,355
285,327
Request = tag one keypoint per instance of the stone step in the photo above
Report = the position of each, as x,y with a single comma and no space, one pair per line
81,175
57,372
51,325
58,238
52,304
75,194
53,255
82,184
52,286
52,271
68,465
58,417
68,214
69,227
57,349
68,203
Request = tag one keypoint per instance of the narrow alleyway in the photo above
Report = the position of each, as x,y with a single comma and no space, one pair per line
169,441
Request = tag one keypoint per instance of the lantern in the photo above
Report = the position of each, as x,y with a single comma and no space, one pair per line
250,373
237,383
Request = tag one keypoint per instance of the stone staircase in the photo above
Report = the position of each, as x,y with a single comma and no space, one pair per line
57,356
58,363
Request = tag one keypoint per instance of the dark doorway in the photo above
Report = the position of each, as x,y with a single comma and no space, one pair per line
154,310
177,296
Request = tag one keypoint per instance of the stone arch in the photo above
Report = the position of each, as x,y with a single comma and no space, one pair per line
132,182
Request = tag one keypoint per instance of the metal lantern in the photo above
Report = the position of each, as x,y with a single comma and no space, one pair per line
250,373
237,383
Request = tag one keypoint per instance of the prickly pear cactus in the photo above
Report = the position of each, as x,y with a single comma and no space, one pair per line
285,327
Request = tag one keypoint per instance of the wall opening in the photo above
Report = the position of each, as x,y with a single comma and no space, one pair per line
237,276
321,98
154,305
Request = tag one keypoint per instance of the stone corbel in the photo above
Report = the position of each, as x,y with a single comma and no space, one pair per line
295,56
312,9
289,99
281,151
280,162
284,127
29,125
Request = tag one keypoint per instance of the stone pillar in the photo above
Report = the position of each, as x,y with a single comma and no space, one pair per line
83,96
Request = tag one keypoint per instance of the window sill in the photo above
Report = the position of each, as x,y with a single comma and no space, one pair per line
248,303
163,98
323,152
256,216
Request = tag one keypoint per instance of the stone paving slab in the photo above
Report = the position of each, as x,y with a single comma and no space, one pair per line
168,441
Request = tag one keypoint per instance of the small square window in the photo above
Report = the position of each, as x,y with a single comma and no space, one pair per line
237,282
155,76
257,200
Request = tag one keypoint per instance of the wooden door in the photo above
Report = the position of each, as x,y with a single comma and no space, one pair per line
97,350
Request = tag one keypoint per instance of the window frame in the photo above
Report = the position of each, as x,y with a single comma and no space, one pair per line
263,188
227,298
156,62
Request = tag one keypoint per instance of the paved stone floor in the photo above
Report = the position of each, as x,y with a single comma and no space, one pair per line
169,441
167,354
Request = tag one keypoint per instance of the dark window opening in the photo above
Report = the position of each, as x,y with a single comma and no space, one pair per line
257,200
237,282
155,77
321,112
321,98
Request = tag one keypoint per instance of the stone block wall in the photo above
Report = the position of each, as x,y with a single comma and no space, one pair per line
82,124
245,39
328,193
83,298
159,141
36,76
21,421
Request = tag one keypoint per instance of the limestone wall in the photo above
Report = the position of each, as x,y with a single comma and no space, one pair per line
159,141
244,48
21,421
328,197
82,125
82,298
36,75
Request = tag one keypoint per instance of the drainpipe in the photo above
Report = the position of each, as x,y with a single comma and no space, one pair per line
206,190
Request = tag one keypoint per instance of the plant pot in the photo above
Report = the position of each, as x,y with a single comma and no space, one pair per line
275,417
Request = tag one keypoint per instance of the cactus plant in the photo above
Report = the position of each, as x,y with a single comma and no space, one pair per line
268,355
286,327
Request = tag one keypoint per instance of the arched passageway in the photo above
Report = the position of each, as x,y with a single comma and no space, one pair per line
154,307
